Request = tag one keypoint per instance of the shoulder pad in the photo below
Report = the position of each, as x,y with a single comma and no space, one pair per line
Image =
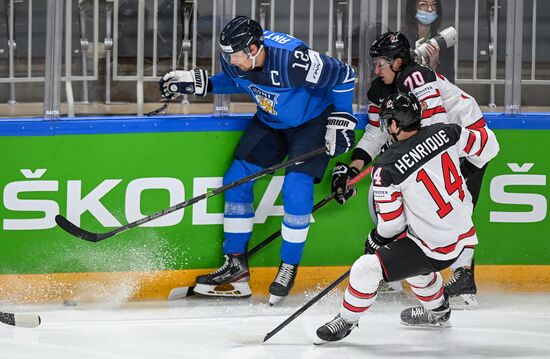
453,130
307,67
414,75
381,176
281,40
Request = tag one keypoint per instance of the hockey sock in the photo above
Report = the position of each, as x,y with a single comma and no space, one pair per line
294,231
464,259
238,221
291,253
361,292
428,289
298,204
238,216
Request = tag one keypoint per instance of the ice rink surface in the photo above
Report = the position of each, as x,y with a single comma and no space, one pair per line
506,325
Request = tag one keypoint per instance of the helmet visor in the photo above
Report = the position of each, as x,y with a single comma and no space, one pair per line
380,63
384,121
383,125
235,58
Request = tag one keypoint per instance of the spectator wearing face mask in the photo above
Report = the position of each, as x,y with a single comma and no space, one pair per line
422,22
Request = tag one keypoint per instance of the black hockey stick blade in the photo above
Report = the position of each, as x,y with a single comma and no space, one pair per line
158,110
76,231
24,320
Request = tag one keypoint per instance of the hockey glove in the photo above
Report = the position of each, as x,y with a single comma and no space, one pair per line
467,168
178,82
375,241
340,137
341,174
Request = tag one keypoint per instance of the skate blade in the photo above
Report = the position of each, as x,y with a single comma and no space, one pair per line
181,292
228,290
246,339
319,341
463,302
446,324
275,299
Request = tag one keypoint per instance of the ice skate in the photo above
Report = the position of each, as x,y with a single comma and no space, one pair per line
283,283
461,288
333,331
230,280
424,318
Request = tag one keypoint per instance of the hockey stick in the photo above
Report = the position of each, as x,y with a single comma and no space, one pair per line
182,292
24,320
260,339
158,110
167,100
76,231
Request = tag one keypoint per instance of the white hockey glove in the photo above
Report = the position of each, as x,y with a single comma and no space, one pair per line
179,82
340,137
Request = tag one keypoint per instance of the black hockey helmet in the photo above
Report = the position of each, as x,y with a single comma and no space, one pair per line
403,108
239,34
391,45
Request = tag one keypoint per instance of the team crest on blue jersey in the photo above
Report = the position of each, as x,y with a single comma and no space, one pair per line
266,100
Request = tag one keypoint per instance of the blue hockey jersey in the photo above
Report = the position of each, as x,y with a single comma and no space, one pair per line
295,84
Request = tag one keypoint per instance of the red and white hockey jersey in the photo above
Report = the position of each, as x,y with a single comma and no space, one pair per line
441,101
417,185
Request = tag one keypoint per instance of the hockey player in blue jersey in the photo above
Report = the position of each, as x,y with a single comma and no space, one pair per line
304,100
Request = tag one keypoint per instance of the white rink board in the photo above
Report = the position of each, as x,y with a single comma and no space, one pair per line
505,326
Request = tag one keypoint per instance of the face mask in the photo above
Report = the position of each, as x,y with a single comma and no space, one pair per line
426,17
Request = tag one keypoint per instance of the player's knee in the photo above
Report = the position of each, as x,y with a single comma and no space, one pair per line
298,193
238,170
367,267
243,193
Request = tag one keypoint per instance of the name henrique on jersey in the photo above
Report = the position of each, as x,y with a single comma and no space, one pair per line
441,101
295,84
418,186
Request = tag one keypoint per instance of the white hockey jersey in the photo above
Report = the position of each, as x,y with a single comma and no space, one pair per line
418,186
441,101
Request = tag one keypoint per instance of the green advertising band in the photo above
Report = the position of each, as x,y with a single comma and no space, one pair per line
55,167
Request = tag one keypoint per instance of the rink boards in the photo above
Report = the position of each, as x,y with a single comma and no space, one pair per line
106,172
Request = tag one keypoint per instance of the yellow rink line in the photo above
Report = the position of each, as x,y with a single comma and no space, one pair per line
123,286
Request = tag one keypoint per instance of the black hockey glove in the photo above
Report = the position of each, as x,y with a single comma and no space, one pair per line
341,174
375,241
340,135
467,168
179,82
